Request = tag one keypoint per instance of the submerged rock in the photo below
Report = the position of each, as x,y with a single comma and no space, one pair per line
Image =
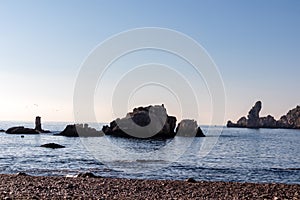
76,130
21,130
189,128
52,146
143,122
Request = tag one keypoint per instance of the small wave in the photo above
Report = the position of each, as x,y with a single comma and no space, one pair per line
150,161
286,169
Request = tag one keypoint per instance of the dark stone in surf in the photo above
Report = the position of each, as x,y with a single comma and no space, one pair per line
52,146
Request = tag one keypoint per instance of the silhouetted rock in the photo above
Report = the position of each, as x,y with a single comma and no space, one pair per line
1,130
76,130
21,130
267,122
53,146
38,125
291,120
189,128
143,122
253,116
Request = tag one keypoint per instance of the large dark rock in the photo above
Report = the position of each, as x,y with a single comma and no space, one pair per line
189,128
21,130
253,116
52,146
267,122
38,125
143,122
76,130
291,120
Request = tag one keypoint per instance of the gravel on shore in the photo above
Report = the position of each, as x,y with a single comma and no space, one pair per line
41,187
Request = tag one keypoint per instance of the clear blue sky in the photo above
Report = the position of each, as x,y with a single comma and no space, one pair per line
255,44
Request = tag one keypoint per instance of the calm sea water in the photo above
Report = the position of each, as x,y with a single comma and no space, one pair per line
243,155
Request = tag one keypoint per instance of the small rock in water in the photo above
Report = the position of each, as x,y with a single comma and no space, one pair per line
52,146
22,136
191,180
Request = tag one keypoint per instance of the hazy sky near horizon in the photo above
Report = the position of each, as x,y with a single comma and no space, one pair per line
255,44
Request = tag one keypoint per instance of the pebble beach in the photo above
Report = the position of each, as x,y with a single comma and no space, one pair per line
57,187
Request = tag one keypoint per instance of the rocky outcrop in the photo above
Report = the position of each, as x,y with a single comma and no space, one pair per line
52,146
291,120
82,130
143,122
267,122
21,130
38,125
253,116
189,128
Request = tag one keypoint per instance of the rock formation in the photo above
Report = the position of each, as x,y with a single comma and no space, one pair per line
253,116
151,122
21,130
38,125
82,130
290,120
1,130
189,128
143,122
267,122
